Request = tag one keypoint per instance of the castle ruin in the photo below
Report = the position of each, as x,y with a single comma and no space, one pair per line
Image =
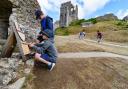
68,13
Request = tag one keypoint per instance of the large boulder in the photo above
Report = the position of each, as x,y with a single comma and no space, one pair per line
107,17
8,69
21,11
125,18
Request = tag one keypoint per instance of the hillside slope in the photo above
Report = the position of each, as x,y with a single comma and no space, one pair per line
109,29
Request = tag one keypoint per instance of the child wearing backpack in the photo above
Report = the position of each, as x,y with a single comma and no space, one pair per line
46,24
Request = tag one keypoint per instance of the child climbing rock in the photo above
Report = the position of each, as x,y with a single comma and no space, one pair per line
45,51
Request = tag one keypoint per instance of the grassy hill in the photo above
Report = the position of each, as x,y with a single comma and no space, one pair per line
116,31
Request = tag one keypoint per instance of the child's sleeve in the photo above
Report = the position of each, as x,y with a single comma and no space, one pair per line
39,44
42,48
37,49
45,46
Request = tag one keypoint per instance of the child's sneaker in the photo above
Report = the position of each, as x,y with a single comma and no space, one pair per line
50,67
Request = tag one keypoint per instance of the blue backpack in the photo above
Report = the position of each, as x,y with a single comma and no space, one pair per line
81,33
47,23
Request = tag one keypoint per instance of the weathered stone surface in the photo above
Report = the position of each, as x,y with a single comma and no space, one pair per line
5,11
25,11
2,42
4,87
125,18
21,11
107,17
18,84
8,69
68,13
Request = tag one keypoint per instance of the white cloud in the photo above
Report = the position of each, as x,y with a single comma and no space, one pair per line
122,13
86,7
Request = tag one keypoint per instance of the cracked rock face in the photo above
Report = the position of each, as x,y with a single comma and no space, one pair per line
7,70
21,11
125,18
25,11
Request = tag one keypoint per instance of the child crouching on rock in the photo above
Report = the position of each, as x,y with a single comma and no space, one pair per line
45,51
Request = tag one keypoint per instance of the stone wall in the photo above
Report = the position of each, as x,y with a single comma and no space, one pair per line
21,11
5,11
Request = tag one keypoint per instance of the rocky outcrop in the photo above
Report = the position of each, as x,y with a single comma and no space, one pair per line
5,11
107,17
21,11
13,72
25,11
125,18
8,69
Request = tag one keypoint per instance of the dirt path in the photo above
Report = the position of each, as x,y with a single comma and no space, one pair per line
90,54
109,43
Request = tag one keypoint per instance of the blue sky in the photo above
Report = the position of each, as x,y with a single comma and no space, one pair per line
87,8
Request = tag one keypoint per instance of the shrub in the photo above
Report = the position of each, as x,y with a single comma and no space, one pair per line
77,22
93,20
62,31
122,23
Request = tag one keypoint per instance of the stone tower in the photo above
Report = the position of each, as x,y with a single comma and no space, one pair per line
68,13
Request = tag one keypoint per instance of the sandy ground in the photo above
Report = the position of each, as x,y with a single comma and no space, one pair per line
90,54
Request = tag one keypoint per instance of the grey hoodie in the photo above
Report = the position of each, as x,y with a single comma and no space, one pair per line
46,47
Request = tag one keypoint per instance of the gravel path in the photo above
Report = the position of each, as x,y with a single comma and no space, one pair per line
108,43
90,54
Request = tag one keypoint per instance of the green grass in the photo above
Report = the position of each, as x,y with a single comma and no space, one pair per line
120,36
102,26
68,31
79,22
62,31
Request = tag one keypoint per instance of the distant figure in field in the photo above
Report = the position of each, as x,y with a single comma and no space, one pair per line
99,36
82,35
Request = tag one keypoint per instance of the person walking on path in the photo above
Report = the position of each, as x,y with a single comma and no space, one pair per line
82,35
99,36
